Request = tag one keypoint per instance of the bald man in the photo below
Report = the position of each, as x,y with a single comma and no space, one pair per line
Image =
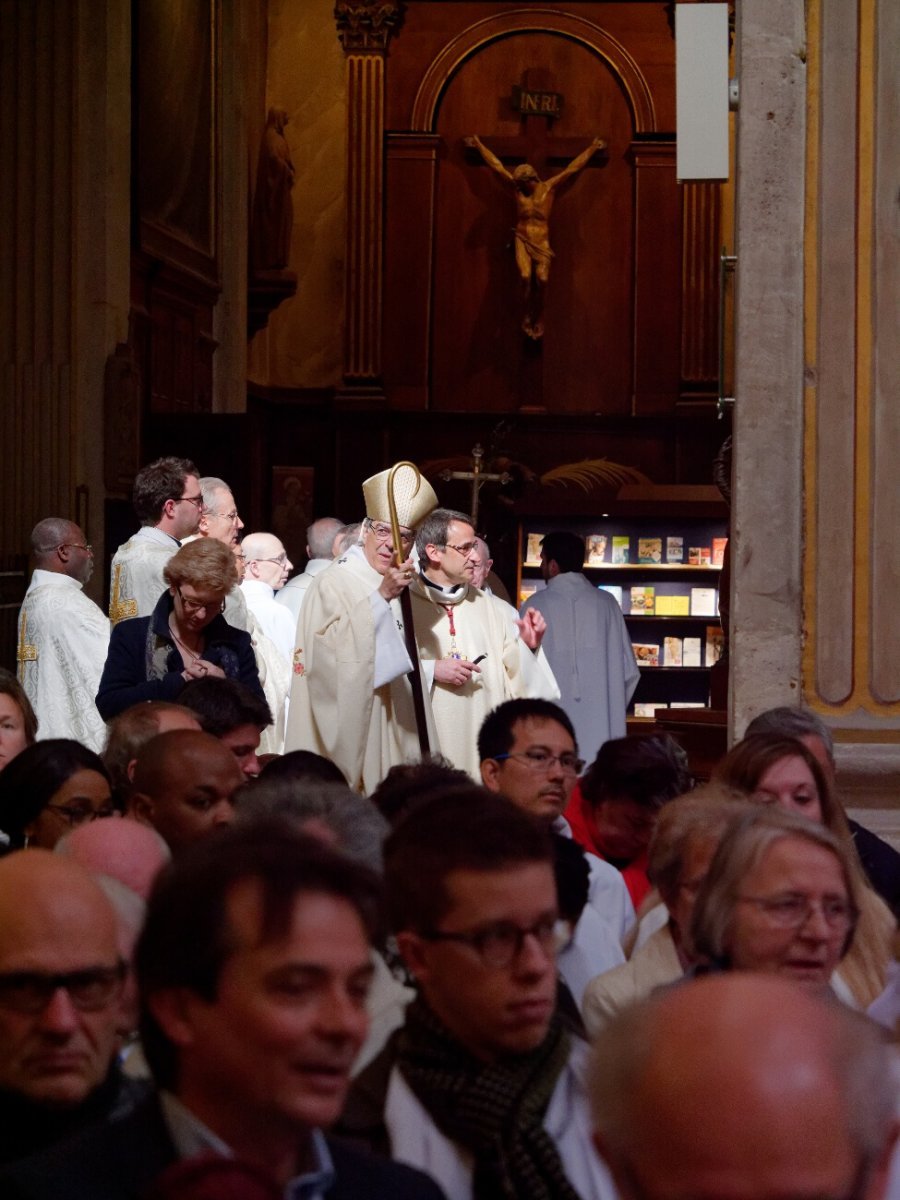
266,569
183,786
60,984
744,1087
321,549
63,636
126,850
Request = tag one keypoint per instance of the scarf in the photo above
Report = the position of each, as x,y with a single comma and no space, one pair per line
495,1110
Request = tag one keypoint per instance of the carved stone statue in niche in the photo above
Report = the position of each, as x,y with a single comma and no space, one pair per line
534,200
273,209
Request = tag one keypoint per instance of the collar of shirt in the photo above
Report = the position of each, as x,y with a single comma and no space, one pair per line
443,595
149,533
257,587
41,578
191,1137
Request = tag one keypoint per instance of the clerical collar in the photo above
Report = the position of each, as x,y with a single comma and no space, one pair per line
437,587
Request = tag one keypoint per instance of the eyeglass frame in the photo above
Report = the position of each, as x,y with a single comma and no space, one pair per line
768,906
198,500
281,559
559,932
545,762
231,517
472,546
407,536
48,984
86,546
193,606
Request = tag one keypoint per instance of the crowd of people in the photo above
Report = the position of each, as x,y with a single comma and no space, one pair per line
308,892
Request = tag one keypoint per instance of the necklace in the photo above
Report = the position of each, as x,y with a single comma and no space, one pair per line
193,655
453,652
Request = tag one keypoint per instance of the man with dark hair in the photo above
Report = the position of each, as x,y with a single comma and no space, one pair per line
622,792
63,635
183,786
253,969
483,1087
168,504
880,861
231,713
320,538
469,652
587,644
529,753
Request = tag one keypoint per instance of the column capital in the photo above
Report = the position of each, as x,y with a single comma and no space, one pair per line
366,24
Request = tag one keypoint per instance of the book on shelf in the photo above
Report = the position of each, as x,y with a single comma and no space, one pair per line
642,601
687,704
595,549
533,547
705,556
650,550
690,655
614,590
673,649
703,602
674,549
648,708
673,606
646,654
715,643
718,550
621,545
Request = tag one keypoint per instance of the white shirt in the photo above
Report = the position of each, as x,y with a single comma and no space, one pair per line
276,621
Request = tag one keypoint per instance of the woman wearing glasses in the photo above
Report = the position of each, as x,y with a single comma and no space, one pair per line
50,788
186,637
781,896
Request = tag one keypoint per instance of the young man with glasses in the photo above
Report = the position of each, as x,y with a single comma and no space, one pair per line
469,650
529,754
483,1087
351,699
168,504
61,980
63,636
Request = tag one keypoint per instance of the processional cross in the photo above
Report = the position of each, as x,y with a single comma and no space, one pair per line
478,478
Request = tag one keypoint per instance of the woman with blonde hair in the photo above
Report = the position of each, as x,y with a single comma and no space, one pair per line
185,637
773,769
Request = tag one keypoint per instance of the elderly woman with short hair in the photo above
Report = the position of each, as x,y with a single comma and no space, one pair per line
781,896
185,637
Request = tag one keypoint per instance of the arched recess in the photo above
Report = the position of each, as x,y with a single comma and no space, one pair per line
532,20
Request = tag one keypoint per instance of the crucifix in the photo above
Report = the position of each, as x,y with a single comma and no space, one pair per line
536,153
478,478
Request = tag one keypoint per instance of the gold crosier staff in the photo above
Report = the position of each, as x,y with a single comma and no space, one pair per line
415,677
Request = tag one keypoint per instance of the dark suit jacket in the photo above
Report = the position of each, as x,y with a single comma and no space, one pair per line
118,1160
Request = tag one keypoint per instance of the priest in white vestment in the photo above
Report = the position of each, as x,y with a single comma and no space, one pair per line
351,698
469,650
320,539
587,643
168,504
63,636
266,568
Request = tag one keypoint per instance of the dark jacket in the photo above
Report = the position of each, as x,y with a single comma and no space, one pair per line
881,863
128,676
118,1160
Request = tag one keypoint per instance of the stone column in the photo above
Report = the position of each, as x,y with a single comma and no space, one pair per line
365,28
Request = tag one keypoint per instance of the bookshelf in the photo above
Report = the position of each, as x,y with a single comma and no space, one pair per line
667,590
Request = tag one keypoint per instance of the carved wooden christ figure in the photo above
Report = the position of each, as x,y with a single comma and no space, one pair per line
534,200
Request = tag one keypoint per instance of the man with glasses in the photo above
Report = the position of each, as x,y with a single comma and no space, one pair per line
744,1087
168,503
470,654
63,636
266,569
484,1085
61,982
529,754
351,698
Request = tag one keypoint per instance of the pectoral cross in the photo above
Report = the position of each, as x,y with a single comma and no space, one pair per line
120,610
25,652
478,478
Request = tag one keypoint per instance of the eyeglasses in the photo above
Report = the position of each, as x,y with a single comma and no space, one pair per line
791,910
281,559
499,945
195,500
383,533
543,760
194,606
465,549
89,990
86,546
82,814
232,516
